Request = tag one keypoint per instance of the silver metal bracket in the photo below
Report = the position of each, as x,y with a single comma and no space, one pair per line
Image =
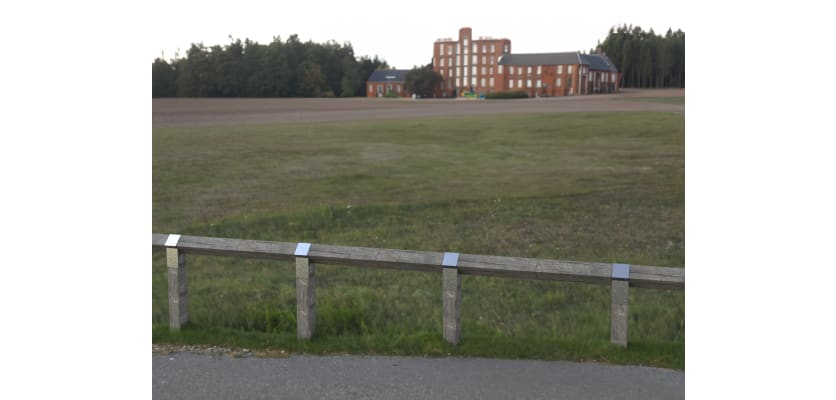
621,272
302,249
450,260
171,240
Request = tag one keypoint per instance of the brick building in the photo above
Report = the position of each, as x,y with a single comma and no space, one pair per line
486,65
385,81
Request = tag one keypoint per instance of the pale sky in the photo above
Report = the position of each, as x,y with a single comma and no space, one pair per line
403,32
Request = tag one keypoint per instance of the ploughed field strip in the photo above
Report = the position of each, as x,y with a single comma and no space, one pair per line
217,111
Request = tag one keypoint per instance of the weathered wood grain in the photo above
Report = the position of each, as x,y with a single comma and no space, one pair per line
472,264
618,314
178,290
305,298
452,305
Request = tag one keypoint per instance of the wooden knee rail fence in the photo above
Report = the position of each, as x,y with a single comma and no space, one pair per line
619,276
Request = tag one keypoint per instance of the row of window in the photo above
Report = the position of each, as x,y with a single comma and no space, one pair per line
521,70
480,82
450,48
448,61
464,71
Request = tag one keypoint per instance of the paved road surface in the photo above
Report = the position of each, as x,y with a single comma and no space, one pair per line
203,376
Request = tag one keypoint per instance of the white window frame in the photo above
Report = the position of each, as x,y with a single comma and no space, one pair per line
558,82
560,69
491,81
493,48
500,69
539,69
528,83
511,84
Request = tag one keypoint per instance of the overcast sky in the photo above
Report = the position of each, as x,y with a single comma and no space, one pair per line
403,32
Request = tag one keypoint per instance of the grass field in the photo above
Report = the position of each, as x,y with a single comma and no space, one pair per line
665,100
593,187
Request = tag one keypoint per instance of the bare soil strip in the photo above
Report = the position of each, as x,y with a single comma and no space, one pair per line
172,112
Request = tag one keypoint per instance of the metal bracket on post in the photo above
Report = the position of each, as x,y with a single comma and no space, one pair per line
450,260
178,285
305,292
620,299
171,240
302,249
621,272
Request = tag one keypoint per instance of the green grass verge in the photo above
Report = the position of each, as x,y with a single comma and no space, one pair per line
665,100
591,187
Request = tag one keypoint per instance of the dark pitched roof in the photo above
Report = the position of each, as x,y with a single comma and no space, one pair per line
595,61
388,75
540,59
598,62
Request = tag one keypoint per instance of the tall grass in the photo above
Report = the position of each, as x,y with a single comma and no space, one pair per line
591,187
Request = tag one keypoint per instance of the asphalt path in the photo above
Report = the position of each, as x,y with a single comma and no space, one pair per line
207,376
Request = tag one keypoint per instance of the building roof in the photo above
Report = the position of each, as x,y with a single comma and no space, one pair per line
595,61
540,59
598,62
388,75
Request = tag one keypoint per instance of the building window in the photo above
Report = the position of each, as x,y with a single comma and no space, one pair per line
474,70
450,61
557,82
483,70
490,70
493,48
483,49
483,82
511,84
484,59
559,69
529,71
569,81
398,89
475,59
539,69
371,88
465,41
519,83
511,70
491,81
570,71
450,73
442,85
442,61
473,81
493,60
475,47
458,82
506,48
459,61
539,84
528,83
500,69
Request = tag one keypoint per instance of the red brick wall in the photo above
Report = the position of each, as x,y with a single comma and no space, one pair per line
371,88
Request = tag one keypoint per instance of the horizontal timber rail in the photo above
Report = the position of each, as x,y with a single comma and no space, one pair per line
620,276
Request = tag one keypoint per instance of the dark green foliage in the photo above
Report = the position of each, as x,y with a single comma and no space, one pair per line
518,94
645,59
422,81
277,69
163,79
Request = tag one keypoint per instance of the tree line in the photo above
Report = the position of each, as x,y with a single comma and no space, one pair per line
645,59
278,69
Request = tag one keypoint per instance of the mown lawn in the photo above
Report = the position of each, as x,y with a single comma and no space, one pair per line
666,100
592,187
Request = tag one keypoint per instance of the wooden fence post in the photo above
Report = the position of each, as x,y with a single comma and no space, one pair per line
452,298
620,299
305,293
178,290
